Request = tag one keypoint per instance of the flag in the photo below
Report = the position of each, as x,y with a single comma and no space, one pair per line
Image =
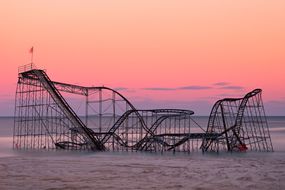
32,49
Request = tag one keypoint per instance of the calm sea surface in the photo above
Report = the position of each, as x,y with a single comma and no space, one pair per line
276,126
140,170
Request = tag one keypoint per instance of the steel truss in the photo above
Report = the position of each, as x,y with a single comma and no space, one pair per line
45,120
241,124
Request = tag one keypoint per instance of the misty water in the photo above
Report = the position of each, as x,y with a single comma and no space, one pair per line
138,170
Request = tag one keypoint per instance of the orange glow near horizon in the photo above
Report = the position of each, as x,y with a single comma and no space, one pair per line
156,44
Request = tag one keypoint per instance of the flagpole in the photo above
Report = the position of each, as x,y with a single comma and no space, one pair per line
32,56
32,53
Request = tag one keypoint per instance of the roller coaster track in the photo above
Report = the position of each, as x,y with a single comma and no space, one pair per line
150,137
81,90
44,119
218,105
150,132
142,145
120,121
235,139
57,97
153,127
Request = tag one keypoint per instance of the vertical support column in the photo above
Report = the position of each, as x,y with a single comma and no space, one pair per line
127,126
267,137
114,117
16,116
225,128
86,107
114,106
100,110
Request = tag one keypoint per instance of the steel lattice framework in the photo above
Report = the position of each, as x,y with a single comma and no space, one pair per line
45,120
241,124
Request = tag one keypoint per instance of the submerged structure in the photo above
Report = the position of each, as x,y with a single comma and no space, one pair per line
241,124
44,119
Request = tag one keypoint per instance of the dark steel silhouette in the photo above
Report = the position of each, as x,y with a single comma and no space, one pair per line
45,120
241,124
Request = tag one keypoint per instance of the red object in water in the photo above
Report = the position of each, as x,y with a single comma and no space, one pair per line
242,147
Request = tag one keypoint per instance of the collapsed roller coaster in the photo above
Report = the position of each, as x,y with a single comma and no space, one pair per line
45,120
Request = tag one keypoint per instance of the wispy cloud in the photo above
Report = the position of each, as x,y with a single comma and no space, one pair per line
159,89
194,87
227,86
221,83
226,95
120,88
231,87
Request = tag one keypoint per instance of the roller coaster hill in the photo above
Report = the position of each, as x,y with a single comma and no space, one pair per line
45,120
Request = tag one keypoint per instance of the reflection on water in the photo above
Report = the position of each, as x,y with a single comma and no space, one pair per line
59,169
6,147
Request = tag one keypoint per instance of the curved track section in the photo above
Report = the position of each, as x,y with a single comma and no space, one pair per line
241,124
46,85
45,120
167,129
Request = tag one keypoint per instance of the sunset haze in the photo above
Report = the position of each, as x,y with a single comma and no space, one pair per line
160,53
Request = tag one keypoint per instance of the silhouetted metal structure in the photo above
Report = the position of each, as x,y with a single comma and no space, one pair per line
241,124
45,120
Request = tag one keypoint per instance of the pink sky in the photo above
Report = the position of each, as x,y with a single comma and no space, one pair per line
152,48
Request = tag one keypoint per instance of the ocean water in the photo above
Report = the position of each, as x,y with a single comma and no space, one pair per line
127,170
276,127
